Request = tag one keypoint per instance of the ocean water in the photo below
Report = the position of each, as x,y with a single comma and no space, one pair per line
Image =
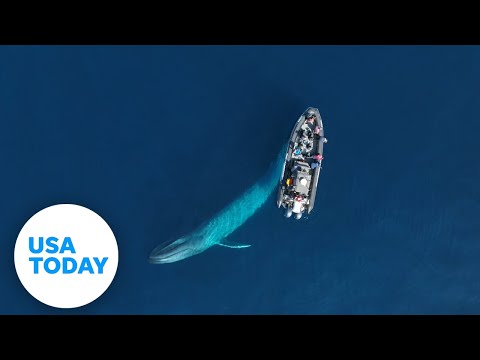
158,139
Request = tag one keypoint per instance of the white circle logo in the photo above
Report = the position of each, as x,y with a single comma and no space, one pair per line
66,256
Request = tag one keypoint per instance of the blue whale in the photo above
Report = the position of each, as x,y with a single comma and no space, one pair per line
216,230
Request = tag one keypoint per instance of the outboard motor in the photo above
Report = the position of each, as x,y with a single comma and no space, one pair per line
288,212
298,216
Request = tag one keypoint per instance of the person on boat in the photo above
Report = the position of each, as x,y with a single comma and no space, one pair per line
309,146
299,198
316,157
307,132
298,153
317,160
316,131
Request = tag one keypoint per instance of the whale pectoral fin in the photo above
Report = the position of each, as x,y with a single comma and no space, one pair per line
233,245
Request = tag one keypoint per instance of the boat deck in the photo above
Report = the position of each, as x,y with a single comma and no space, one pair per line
301,170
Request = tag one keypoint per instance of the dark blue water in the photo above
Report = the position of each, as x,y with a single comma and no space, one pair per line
157,140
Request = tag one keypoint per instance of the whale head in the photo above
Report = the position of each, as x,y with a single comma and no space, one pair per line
179,249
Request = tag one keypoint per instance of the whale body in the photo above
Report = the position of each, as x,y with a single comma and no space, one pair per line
216,230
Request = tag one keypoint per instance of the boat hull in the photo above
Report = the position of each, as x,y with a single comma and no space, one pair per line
299,168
